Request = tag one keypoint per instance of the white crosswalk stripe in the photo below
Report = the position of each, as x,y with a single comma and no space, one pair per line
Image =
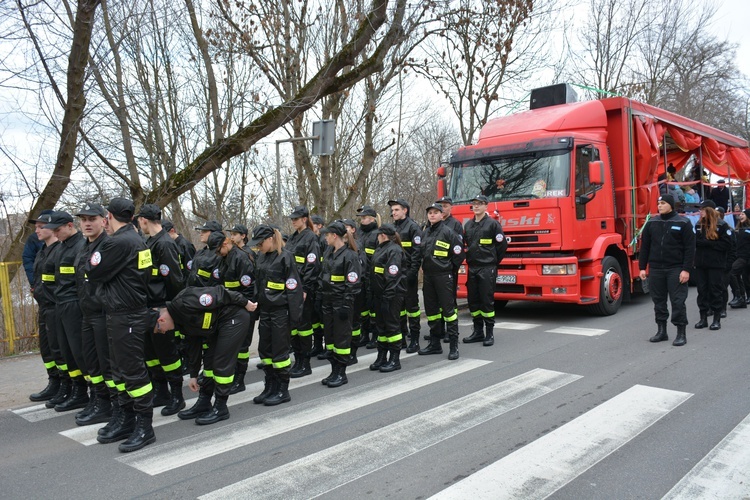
723,473
542,467
161,458
310,476
568,330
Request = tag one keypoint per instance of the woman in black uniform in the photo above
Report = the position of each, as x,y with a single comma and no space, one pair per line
713,238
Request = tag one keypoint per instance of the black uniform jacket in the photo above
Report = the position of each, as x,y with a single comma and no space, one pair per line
186,250
198,311
485,242
166,279
121,264
743,244
305,247
388,279
340,277
237,272
442,249
278,284
89,293
204,268
454,224
65,268
411,242
667,241
44,275
712,254
367,239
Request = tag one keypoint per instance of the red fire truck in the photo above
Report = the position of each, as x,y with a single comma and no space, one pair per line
572,183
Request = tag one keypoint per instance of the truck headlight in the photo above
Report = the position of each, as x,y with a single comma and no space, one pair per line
559,269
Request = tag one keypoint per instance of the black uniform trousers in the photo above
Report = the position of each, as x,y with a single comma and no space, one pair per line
126,333
302,335
480,292
663,284
96,354
50,327
69,319
388,321
337,332
709,281
45,348
274,335
243,357
220,355
739,277
410,319
369,313
163,358
439,304
358,316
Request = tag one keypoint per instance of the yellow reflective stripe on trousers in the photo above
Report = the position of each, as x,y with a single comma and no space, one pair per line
62,367
450,319
357,332
266,361
413,314
379,270
207,320
305,333
274,286
396,338
152,363
75,373
67,270
208,373
294,333
120,387
343,352
144,259
97,380
142,391
49,278
224,380
476,313
111,384
243,355
336,278
364,314
434,317
203,273
174,366
488,314
49,365
282,364
231,284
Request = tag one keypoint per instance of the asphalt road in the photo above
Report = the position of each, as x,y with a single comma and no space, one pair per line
565,405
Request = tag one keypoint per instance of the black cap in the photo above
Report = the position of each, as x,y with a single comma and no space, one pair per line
445,199
349,222
387,229
299,211
317,219
212,225
667,198
167,225
260,233
92,209
481,199
399,201
121,207
708,204
150,211
435,206
239,228
45,217
721,210
746,212
335,227
366,210
58,219
721,181
215,239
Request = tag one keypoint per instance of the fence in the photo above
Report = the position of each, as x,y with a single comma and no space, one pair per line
18,332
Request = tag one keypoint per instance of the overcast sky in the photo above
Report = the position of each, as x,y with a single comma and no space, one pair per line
732,21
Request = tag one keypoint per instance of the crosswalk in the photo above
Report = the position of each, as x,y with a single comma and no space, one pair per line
538,469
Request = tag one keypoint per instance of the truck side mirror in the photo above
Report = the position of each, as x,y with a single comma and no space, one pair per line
596,172
441,172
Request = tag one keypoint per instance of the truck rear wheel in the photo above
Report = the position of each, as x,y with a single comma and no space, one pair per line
610,289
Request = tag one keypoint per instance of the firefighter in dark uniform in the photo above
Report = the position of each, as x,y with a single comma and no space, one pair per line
411,242
368,241
67,309
447,203
339,285
122,265
318,349
184,247
668,249
359,310
388,284
741,264
305,247
218,318
206,261
281,299
726,275
163,359
93,219
43,289
485,248
442,253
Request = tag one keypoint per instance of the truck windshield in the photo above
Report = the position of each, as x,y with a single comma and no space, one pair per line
541,174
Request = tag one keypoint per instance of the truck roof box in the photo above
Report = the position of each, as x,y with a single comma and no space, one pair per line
561,93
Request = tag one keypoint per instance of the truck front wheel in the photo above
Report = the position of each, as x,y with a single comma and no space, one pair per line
610,288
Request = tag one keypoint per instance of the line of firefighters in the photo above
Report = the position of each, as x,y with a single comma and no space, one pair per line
123,316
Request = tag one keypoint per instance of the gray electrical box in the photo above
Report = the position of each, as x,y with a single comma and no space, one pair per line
325,131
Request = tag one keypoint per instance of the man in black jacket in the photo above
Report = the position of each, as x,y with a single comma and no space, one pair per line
668,249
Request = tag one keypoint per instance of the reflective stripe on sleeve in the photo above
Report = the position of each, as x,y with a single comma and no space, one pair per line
67,270
231,284
144,259
203,273
207,320
335,278
299,260
274,286
379,270
48,278
486,241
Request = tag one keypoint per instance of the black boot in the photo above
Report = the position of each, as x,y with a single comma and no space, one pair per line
703,323
78,398
413,344
453,353
372,344
142,435
394,363
89,406
101,412
477,334
364,339
333,372
434,347
680,339
738,302
297,363
218,413
62,393
53,385
177,401
715,325
325,355
120,429
489,336
340,377
353,357
661,332
201,407
380,360
161,393
281,393
302,369
268,388
317,346
239,380
112,419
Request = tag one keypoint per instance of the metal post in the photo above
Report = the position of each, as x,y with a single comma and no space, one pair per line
10,324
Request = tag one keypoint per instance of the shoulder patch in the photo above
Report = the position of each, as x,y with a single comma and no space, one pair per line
417,240
352,277
246,280
164,270
206,299
457,249
190,264
291,283
311,257
729,232
499,237
216,273
393,269
96,258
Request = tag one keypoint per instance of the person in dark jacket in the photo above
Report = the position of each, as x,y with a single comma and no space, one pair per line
741,265
713,240
720,194
727,272
30,249
359,308
205,263
442,253
447,203
367,241
485,247
411,242
122,265
668,251
280,299
318,349
185,247
218,318
338,286
388,284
